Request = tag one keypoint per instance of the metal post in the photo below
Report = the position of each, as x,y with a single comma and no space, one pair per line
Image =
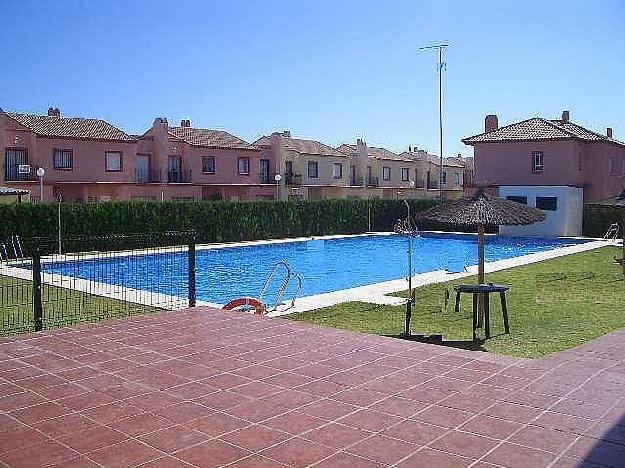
37,301
191,266
59,226
369,213
440,121
409,302
40,189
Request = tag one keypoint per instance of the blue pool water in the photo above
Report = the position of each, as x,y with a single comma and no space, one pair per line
325,265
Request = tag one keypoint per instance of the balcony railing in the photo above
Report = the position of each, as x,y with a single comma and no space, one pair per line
420,183
147,176
356,181
11,174
432,184
179,177
292,179
266,178
373,182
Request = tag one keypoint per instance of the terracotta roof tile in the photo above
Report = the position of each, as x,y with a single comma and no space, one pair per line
377,153
538,128
209,138
304,146
75,128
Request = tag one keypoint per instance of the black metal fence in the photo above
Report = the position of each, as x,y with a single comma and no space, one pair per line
45,283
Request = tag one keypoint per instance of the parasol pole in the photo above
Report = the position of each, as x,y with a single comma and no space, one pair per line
480,271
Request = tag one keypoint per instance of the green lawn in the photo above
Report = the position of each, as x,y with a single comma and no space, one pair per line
553,305
61,307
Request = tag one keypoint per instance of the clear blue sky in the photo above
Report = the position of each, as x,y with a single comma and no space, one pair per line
328,70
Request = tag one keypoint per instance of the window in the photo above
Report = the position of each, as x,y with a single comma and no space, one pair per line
457,178
63,159
444,179
517,198
547,203
183,199
142,198
208,164
613,167
386,173
114,161
313,170
243,165
264,171
537,162
580,161
337,171
405,174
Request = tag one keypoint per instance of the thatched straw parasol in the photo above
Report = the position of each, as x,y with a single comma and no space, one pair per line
480,211
619,203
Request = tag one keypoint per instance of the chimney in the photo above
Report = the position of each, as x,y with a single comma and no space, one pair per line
565,116
491,123
286,134
608,132
185,123
54,112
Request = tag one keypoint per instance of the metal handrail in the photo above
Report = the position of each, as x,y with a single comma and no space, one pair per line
612,232
270,276
283,286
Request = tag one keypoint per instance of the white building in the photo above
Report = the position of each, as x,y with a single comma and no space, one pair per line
562,205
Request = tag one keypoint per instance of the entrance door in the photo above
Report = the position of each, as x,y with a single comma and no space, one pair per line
142,170
14,157
174,169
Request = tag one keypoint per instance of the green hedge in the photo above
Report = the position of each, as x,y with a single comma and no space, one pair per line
598,218
214,221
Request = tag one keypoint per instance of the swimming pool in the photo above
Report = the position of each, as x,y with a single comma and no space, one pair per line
325,265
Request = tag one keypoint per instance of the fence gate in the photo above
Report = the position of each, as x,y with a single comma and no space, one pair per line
93,278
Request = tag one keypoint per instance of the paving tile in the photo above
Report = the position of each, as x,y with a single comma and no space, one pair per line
298,452
174,438
514,456
92,438
433,458
383,449
442,416
256,461
563,422
73,422
464,444
415,432
212,453
111,412
597,451
255,437
512,412
183,412
336,435
294,422
370,420
141,424
20,438
125,454
43,454
491,427
328,409
549,440
39,412
216,424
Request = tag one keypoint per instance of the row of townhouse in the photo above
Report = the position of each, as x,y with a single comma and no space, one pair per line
92,160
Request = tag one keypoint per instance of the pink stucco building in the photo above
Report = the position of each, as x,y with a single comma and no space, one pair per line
546,152
92,160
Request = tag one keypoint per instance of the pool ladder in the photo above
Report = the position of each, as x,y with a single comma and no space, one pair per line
286,279
612,232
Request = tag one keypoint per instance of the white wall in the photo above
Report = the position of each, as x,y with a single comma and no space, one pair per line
565,221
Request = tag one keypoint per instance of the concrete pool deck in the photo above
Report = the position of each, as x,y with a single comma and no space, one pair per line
207,388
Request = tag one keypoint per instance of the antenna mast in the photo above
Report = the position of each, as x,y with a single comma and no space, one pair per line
441,66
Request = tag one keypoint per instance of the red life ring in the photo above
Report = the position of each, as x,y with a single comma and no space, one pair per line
259,307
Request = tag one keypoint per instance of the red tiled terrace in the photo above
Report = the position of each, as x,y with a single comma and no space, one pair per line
208,388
